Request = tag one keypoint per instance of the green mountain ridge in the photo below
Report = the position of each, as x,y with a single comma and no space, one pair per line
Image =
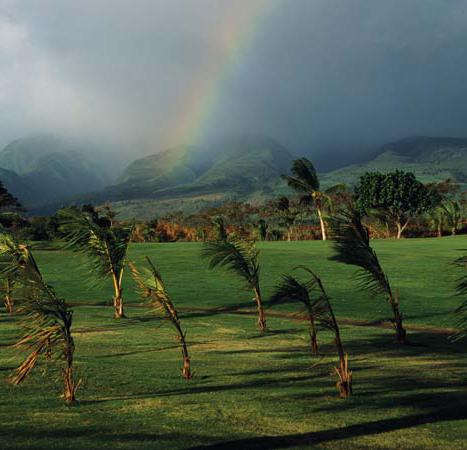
430,159
191,177
43,169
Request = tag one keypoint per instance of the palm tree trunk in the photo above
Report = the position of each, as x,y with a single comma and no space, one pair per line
118,299
8,296
400,331
322,223
186,369
344,384
313,333
259,306
69,385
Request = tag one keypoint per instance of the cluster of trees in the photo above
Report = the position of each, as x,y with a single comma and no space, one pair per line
394,199
392,204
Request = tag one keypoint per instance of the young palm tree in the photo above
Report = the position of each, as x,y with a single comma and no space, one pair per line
319,309
11,256
305,180
240,258
152,288
104,243
291,290
352,246
453,214
46,318
218,223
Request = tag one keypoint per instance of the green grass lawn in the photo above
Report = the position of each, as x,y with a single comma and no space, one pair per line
249,391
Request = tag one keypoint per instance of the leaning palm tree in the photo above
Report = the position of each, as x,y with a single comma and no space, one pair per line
305,180
240,258
319,310
152,287
290,290
105,244
352,246
46,318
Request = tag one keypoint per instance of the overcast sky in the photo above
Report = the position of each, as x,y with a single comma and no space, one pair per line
314,74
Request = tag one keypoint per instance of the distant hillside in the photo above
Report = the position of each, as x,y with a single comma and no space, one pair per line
431,159
43,169
237,168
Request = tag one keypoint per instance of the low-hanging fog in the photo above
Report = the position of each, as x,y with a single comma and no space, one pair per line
321,75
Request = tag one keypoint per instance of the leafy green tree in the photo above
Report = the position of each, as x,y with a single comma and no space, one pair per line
152,288
46,318
398,196
312,295
103,242
241,258
305,181
352,246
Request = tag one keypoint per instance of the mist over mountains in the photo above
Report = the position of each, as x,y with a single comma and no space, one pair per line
46,172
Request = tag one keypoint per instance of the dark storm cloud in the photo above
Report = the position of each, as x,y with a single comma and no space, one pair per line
340,74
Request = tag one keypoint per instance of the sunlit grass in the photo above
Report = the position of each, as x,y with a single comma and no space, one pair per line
246,386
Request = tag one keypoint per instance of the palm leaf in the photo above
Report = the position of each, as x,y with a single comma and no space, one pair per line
352,246
305,178
238,257
105,246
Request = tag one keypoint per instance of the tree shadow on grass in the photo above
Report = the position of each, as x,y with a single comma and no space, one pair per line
335,434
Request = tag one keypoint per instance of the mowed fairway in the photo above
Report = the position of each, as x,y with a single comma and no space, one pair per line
249,391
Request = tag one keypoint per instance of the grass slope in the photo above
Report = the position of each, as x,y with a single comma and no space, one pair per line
250,391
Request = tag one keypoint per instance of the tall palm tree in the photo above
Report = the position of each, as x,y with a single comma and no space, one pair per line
319,309
105,244
151,287
305,180
240,258
46,318
352,246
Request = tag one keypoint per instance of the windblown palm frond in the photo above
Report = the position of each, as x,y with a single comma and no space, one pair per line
46,319
105,246
352,246
238,257
312,295
241,258
151,287
304,178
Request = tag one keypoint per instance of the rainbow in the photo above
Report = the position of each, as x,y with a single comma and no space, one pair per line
236,33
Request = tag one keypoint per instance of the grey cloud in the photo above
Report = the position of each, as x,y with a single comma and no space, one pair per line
321,74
